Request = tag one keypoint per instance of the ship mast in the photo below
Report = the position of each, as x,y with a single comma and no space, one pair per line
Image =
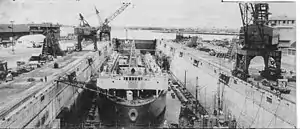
126,29
131,52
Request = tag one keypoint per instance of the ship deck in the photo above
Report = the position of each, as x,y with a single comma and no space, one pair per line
18,91
255,66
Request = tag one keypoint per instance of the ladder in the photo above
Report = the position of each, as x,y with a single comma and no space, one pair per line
132,52
48,42
230,50
45,48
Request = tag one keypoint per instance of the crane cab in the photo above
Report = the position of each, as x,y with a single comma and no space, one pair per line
3,65
3,70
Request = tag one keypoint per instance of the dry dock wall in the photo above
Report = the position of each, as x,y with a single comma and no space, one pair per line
250,106
41,109
143,45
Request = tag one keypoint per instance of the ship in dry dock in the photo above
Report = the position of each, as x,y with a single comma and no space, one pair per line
134,88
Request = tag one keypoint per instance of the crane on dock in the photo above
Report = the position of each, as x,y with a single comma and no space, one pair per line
104,28
51,45
257,39
85,31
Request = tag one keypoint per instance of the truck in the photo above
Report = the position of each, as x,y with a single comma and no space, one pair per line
5,74
35,61
212,52
37,44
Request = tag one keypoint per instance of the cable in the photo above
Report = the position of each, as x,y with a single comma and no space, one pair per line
242,108
274,114
257,111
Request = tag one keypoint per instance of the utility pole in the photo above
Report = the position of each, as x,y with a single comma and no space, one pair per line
205,98
126,33
197,86
218,103
12,37
184,78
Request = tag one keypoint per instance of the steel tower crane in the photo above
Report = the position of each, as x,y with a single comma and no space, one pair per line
98,16
105,29
85,31
257,39
51,45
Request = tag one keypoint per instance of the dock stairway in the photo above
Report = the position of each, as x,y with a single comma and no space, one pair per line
230,52
221,55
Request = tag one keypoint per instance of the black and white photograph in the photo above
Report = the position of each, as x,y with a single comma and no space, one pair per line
145,64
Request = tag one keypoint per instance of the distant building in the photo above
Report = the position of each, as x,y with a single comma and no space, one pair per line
287,30
282,21
18,30
40,28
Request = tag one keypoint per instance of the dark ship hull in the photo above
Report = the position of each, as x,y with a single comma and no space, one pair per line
113,113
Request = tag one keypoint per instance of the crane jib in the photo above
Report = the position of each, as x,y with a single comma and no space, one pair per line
119,11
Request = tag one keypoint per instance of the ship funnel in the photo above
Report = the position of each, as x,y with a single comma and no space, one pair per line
129,95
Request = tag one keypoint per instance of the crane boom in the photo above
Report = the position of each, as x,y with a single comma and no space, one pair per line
83,22
119,11
105,29
98,15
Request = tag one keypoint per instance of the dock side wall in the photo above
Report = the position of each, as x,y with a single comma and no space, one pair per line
41,110
251,106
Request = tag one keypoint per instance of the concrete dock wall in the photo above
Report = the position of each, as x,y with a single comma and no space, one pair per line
41,110
142,44
251,106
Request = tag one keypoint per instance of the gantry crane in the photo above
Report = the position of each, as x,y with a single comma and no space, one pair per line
105,29
257,39
85,31
51,45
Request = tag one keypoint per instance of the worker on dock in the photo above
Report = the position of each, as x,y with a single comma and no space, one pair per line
9,76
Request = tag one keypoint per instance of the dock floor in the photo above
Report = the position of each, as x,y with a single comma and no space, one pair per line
173,109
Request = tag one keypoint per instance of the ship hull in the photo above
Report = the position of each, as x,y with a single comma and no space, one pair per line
150,114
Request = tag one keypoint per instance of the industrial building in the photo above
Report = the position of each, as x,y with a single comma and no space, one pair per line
40,28
287,31
17,30
7,31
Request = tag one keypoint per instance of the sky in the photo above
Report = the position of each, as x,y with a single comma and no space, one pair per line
166,13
